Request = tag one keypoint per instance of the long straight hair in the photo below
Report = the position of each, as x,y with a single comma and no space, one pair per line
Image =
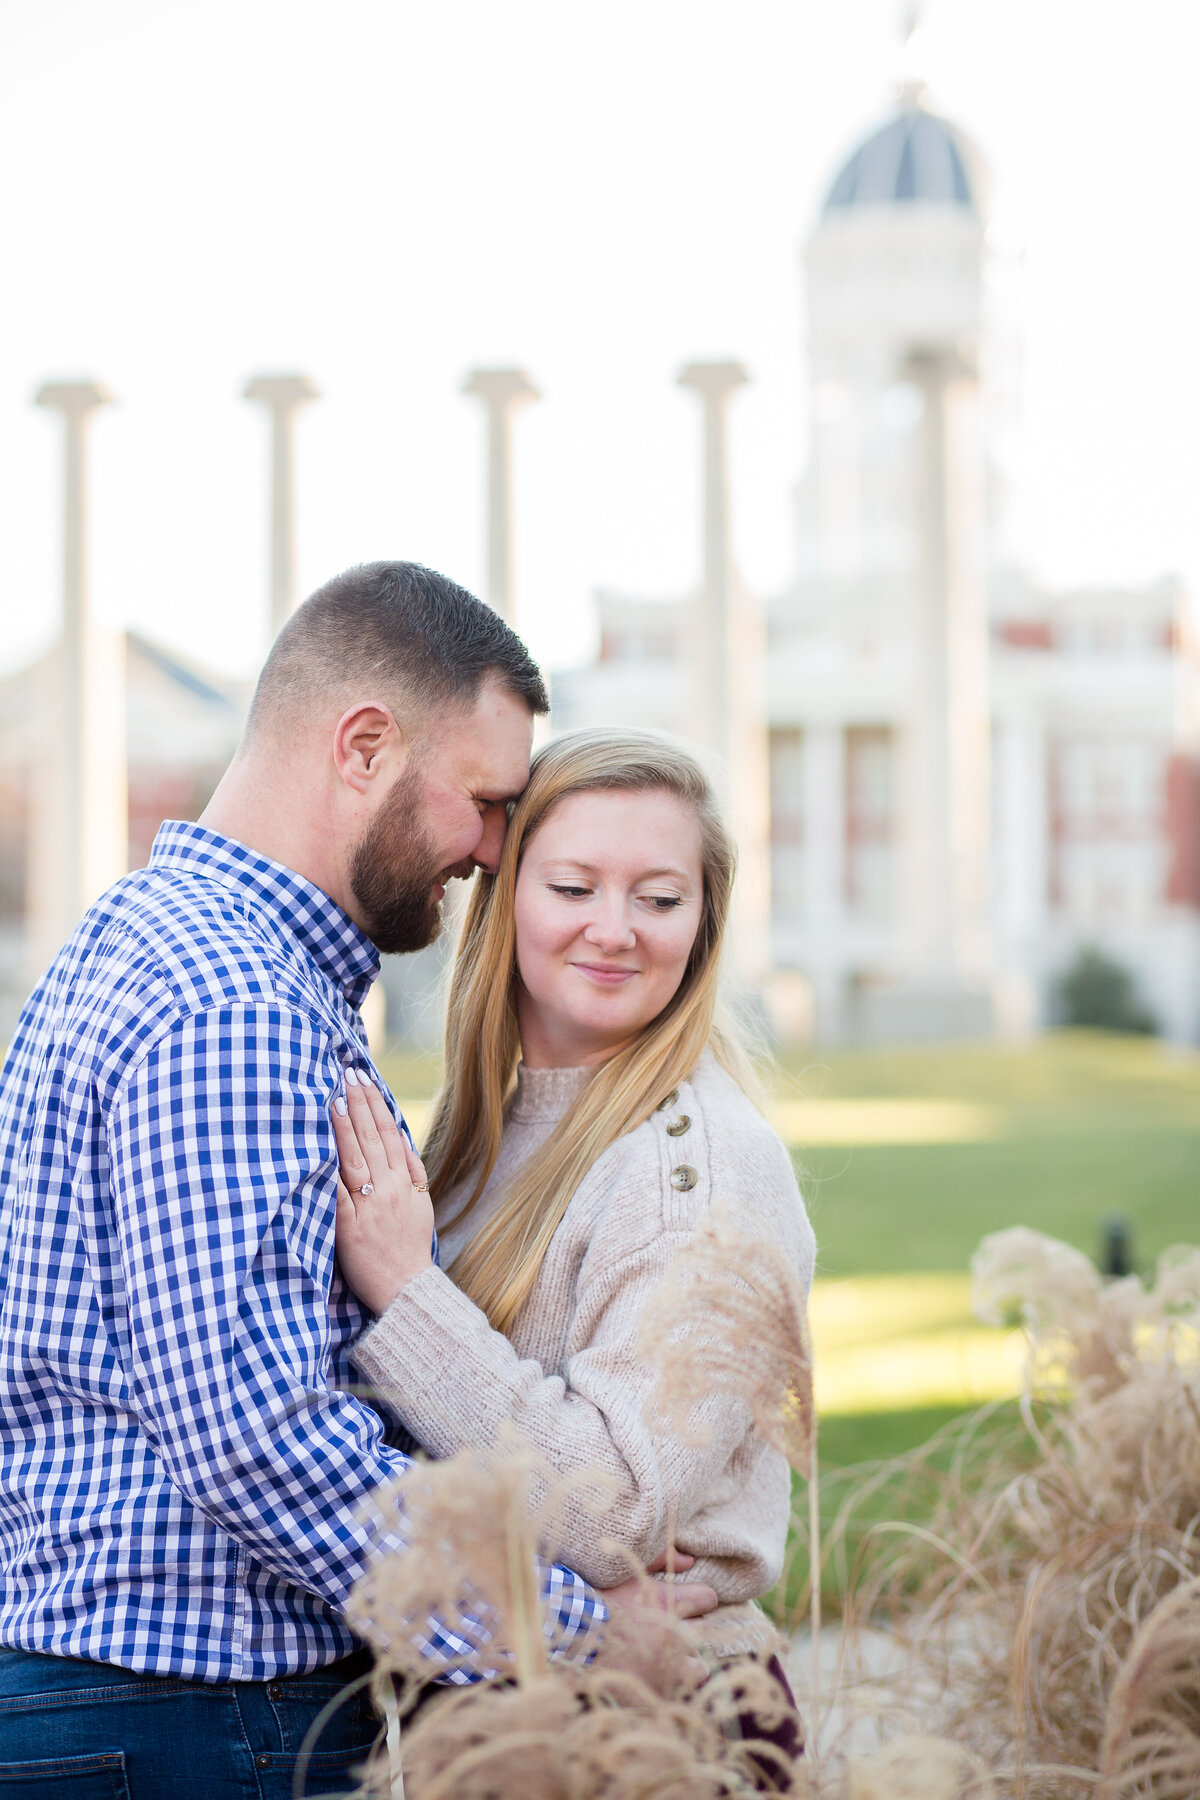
500,1265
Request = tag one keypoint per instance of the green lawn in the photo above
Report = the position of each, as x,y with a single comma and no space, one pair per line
1091,1125
1078,1125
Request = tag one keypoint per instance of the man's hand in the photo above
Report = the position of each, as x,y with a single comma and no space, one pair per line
384,1214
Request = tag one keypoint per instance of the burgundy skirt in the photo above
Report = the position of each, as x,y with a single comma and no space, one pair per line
786,1733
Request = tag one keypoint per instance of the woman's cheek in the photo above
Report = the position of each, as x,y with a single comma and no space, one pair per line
538,948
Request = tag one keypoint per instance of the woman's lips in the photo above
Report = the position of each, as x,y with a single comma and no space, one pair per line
604,977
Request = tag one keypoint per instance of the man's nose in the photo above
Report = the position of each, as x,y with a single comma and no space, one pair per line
491,843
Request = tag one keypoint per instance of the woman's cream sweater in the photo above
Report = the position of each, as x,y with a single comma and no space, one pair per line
570,1377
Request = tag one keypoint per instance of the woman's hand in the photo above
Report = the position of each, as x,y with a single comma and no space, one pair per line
640,1639
384,1213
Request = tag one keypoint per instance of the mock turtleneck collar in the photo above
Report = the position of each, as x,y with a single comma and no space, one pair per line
546,1093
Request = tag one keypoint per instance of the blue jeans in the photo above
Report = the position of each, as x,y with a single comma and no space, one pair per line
74,1730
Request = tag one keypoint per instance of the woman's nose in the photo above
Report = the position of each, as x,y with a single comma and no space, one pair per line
611,929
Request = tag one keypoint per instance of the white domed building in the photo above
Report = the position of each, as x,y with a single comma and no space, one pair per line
970,779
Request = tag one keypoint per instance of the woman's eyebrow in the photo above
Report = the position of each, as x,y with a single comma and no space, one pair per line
587,868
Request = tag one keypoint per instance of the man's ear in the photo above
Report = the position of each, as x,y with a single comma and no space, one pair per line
368,742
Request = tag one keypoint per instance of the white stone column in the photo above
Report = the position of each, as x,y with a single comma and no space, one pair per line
825,869
79,826
950,794
718,634
282,395
730,646
502,391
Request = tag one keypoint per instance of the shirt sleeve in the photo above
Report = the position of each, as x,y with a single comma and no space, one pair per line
223,1171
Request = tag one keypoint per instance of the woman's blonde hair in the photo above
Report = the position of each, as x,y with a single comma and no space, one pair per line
499,1266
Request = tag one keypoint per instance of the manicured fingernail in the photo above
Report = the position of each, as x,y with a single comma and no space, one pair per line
351,1078
339,1104
365,1079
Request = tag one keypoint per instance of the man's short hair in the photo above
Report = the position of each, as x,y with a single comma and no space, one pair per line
392,629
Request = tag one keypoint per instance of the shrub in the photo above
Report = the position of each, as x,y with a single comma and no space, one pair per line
1099,993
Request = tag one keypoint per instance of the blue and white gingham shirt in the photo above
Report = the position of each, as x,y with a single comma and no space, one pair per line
181,1469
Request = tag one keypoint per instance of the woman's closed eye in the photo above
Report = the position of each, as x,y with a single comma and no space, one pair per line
659,903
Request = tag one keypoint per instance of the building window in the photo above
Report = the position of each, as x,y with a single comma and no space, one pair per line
1110,829
870,821
787,823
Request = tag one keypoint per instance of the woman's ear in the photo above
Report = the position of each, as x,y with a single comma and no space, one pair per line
368,743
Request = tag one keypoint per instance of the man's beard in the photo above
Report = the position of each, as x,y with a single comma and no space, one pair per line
394,871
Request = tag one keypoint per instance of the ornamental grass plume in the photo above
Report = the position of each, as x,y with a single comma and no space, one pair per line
1036,1600
728,1322
1152,1732
626,1727
1084,1333
594,1734
918,1768
472,1528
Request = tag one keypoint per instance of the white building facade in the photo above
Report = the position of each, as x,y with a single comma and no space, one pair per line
970,779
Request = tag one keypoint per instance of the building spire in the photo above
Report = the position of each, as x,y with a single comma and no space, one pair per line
910,84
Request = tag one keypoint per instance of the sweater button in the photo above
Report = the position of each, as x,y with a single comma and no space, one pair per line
670,1100
684,1177
678,1126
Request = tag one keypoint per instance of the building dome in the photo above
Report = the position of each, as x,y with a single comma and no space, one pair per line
915,157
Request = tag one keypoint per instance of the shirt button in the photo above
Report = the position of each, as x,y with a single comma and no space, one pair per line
670,1100
684,1177
678,1126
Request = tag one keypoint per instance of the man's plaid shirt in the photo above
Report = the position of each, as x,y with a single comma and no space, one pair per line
181,1469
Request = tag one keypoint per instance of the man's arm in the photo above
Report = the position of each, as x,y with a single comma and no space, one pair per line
223,1175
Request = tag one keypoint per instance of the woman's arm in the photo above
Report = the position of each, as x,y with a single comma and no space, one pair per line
454,1380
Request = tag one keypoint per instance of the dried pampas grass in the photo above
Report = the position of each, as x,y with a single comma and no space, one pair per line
728,1324
472,1529
918,1768
1152,1736
635,1722
584,1733
1086,1334
1037,1599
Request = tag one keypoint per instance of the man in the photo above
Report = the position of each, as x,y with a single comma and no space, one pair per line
182,1466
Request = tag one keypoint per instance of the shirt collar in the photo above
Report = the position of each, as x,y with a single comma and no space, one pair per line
332,940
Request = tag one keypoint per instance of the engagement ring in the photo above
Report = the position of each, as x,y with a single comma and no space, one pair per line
366,1188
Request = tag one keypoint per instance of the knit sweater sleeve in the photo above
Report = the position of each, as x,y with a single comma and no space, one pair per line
437,1361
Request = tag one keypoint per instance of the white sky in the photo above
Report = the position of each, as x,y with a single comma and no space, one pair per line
384,193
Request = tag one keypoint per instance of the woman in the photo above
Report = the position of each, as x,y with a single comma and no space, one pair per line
593,1106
